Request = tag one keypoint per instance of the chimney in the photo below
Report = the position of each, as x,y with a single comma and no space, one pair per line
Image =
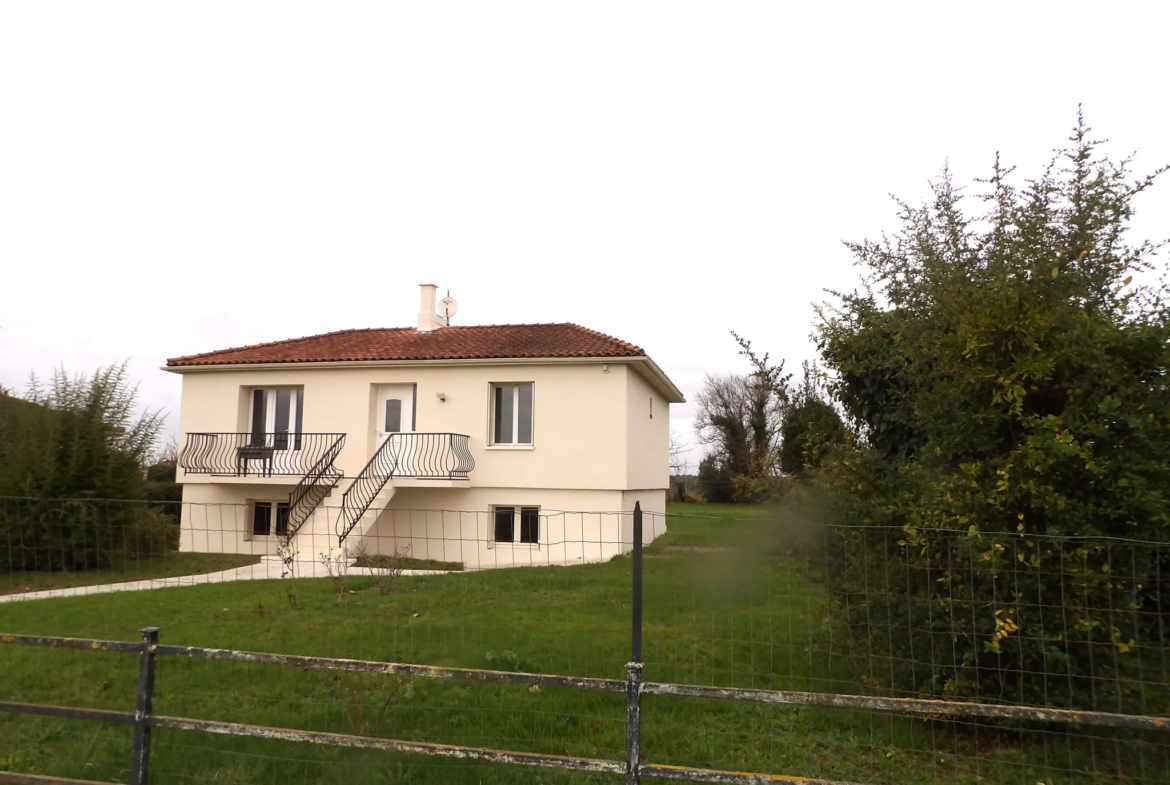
428,319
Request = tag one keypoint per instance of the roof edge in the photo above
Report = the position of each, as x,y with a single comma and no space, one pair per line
181,369
658,378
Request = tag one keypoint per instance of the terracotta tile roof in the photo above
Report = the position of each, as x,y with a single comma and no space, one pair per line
504,341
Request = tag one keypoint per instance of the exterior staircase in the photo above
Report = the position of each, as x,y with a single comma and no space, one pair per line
315,485
367,517
427,456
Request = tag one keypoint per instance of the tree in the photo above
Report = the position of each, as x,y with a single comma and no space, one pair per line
810,426
64,446
78,436
678,455
715,480
1008,380
739,422
167,451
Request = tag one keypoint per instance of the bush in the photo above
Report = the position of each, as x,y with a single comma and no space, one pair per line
152,533
77,437
64,447
166,498
161,472
1011,387
51,535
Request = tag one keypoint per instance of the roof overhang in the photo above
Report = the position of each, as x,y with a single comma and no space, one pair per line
643,365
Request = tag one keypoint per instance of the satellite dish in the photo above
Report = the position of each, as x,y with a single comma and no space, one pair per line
448,307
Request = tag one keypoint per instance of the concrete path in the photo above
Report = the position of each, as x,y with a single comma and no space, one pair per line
269,567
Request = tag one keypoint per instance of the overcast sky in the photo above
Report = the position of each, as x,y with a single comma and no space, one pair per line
182,178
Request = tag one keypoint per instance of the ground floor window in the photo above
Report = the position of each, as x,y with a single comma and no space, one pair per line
269,518
516,524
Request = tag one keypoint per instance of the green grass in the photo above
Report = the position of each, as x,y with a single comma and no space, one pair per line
748,614
168,566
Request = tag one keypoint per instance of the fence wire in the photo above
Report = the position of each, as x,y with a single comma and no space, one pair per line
733,597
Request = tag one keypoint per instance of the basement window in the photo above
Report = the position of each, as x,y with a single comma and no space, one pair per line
516,524
269,517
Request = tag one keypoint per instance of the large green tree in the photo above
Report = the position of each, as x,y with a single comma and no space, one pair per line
68,447
1009,377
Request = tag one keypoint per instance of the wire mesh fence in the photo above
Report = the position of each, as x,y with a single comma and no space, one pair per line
820,618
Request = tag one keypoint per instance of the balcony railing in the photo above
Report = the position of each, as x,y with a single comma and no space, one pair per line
424,456
258,454
428,456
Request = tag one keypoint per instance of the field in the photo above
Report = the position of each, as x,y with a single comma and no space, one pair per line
729,600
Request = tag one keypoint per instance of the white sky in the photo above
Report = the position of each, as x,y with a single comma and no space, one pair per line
182,178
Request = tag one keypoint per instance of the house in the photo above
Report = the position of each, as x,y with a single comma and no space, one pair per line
488,445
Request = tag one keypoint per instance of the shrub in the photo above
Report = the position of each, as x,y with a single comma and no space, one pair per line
161,472
53,534
1009,382
63,447
152,533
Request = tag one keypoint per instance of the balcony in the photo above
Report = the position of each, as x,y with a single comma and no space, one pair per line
257,454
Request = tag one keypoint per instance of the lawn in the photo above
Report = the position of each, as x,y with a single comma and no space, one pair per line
728,601
169,566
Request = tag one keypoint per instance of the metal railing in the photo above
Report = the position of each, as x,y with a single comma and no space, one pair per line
259,454
149,649
313,487
425,456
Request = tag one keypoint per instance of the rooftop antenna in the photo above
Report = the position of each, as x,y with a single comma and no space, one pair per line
450,307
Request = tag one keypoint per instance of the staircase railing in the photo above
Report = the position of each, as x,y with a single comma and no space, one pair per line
426,456
314,487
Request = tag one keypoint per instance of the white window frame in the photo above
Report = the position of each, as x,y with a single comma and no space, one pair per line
296,404
491,440
517,509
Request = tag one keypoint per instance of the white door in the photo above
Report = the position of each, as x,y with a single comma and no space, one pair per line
395,420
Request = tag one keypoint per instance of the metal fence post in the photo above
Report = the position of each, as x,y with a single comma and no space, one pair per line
633,722
637,632
634,667
140,765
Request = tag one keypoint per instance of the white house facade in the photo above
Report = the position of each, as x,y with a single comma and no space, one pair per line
488,445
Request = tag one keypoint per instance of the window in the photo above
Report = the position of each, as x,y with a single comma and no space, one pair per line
510,521
512,414
505,524
281,519
393,416
262,519
265,514
278,411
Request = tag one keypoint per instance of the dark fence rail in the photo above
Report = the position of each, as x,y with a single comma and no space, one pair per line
426,456
149,650
260,454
